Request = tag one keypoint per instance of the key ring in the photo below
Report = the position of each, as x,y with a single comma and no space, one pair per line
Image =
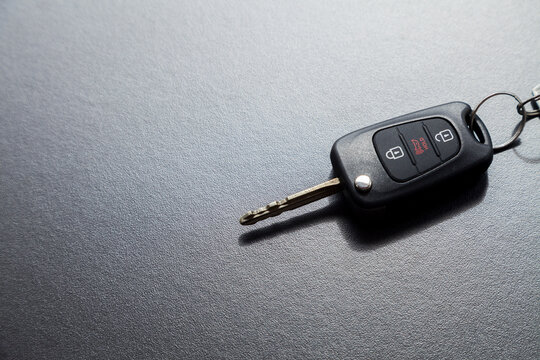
519,127
530,114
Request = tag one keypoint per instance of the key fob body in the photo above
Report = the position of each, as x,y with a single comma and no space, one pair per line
412,154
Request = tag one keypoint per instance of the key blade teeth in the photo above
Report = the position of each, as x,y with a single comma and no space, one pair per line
291,202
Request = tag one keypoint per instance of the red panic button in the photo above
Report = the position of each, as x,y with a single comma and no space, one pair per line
419,145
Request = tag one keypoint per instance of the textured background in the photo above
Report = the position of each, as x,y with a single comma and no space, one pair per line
134,134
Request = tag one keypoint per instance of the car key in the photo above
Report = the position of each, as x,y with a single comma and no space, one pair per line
393,160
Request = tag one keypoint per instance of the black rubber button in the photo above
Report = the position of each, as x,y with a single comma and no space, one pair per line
393,155
444,136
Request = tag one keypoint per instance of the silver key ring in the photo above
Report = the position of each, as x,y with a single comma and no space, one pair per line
530,114
519,127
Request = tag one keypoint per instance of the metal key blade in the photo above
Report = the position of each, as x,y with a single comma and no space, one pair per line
294,201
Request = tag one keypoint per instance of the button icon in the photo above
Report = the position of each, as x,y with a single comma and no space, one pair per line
417,148
444,135
395,153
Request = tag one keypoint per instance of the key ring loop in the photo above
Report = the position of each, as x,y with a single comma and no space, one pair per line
530,114
517,130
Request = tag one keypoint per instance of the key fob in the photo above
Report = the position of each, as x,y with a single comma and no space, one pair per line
411,154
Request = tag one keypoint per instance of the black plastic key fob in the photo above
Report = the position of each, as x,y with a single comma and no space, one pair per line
411,154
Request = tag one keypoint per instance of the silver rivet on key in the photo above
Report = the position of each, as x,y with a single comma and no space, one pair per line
363,183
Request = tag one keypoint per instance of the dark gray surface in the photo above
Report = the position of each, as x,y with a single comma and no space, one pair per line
133,135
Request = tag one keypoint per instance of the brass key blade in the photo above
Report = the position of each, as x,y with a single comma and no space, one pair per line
294,201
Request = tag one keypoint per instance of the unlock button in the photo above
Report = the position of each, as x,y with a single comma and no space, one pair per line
444,136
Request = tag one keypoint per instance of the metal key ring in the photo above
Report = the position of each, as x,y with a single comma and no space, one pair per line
517,130
530,114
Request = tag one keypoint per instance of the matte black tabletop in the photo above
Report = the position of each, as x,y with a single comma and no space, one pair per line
134,134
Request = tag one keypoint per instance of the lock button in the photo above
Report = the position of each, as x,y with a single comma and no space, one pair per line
394,155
